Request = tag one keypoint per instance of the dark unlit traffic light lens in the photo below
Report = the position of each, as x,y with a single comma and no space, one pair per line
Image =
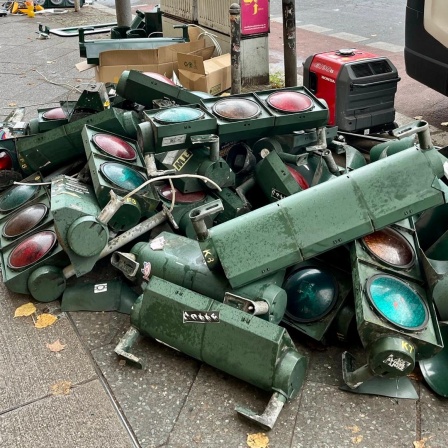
312,294
114,146
121,175
54,114
390,247
181,198
178,115
31,250
397,302
16,196
288,101
25,220
234,109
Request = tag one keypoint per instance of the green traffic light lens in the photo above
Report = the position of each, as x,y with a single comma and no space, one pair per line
289,101
390,247
32,249
17,196
234,109
312,294
24,220
114,146
122,176
397,302
178,115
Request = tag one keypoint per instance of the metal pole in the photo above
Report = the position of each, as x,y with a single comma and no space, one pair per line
124,13
289,42
235,47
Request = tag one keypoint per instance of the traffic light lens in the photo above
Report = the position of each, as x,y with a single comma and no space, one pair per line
390,247
234,109
288,101
5,161
159,77
178,115
16,196
25,220
31,250
54,114
312,294
122,176
114,146
397,302
298,178
181,198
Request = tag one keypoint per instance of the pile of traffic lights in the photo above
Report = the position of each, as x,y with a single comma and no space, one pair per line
261,224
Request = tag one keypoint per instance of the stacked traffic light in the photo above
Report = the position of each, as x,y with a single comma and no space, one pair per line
116,164
395,316
31,258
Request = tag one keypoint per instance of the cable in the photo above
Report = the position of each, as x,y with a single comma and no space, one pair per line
28,184
210,35
63,84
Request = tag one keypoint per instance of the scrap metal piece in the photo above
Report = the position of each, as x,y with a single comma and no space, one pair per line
126,343
74,30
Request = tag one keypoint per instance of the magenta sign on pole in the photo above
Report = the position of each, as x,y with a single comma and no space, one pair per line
254,16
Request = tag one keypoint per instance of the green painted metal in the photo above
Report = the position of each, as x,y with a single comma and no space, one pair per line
233,205
179,261
386,387
47,283
244,346
328,215
386,149
112,295
74,208
58,147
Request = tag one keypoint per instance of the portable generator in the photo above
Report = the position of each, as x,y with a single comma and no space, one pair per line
359,88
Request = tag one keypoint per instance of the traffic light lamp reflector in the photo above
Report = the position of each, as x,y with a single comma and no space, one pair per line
114,146
31,250
397,302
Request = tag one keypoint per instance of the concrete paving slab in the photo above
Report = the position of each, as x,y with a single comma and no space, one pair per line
28,368
331,418
84,418
152,398
434,411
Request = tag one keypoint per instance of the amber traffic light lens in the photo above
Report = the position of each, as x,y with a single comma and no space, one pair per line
288,101
312,294
390,247
16,196
234,109
114,146
178,115
32,249
25,220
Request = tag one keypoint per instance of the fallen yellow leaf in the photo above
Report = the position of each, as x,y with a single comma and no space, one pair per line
357,439
354,429
259,440
421,443
444,123
45,320
12,104
25,310
61,388
56,346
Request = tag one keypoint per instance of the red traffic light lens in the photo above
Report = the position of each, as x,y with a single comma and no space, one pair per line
25,220
178,115
32,249
181,198
234,109
54,114
16,196
390,247
114,146
290,101
159,77
298,178
312,294
5,160
397,302
121,175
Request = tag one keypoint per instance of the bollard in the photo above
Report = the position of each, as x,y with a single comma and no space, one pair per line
235,44
289,42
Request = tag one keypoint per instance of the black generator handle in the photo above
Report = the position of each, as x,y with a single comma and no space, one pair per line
376,83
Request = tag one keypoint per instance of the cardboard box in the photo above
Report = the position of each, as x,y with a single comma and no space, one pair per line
197,72
161,60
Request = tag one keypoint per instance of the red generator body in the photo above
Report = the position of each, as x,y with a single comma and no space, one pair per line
359,88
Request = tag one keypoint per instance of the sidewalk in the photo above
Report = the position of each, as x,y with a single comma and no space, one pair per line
176,401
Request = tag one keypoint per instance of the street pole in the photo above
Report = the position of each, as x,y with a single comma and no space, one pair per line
77,5
289,42
123,11
235,47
